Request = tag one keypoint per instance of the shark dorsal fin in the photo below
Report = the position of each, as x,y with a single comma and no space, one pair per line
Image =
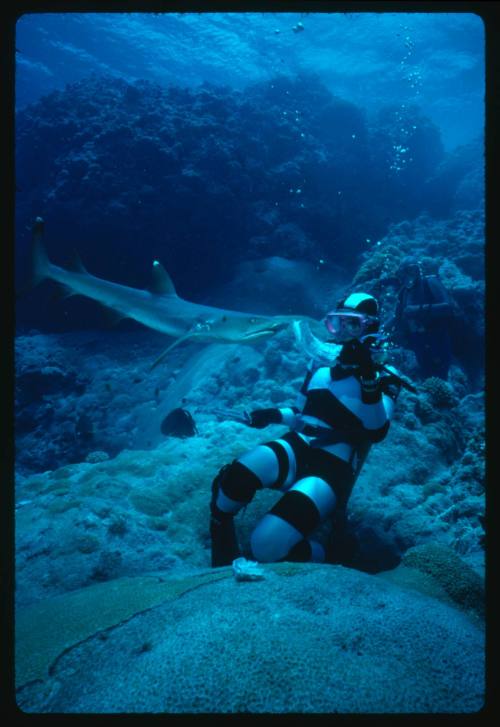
75,264
161,283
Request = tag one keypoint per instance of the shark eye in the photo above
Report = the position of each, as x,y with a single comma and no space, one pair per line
253,320
224,319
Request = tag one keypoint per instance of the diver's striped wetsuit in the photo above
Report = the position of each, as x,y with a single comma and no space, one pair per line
314,464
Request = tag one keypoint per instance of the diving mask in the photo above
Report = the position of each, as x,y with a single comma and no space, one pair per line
345,325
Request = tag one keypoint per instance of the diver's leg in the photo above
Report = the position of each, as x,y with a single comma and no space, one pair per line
224,545
267,465
283,532
323,488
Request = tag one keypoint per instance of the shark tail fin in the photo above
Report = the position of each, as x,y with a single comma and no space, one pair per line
41,262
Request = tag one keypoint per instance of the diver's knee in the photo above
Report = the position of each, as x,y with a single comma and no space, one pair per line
239,482
265,550
236,482
268,543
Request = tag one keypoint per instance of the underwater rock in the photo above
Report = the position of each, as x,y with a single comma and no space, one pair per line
48,627
108,566
98,456
439,393
84,429
34,383
459,580
453,247
151,151
308,638
458,182
247,570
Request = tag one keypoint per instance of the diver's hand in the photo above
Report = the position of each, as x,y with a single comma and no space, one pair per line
357,353
391,386
260,418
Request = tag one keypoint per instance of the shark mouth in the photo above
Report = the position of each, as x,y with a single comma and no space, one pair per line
269,330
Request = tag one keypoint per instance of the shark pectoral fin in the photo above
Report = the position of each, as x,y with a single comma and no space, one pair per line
161,283
62,292
169,348
112,317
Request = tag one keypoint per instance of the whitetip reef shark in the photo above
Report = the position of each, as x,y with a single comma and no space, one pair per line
159,307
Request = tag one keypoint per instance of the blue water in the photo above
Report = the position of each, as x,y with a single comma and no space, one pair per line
435,60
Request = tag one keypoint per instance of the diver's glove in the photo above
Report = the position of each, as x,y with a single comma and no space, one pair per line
391,385
260,418
358,355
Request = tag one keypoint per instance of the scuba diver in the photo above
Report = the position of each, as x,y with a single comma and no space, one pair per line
341,410
423,318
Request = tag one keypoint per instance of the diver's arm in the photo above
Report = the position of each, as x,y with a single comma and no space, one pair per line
381,399
441,307
438,310
260,418
390,385
290,416
424,310
438,307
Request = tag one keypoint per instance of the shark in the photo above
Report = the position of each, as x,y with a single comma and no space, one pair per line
159,307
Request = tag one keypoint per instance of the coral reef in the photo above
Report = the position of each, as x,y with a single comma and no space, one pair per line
304,639
282,195
452,248
439,393
458,579
97,456
132,161
46,629
425,481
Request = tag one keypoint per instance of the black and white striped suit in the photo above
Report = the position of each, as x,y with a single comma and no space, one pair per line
313,464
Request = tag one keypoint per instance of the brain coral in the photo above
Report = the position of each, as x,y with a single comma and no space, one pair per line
458,579
45,629
439,392
305,639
